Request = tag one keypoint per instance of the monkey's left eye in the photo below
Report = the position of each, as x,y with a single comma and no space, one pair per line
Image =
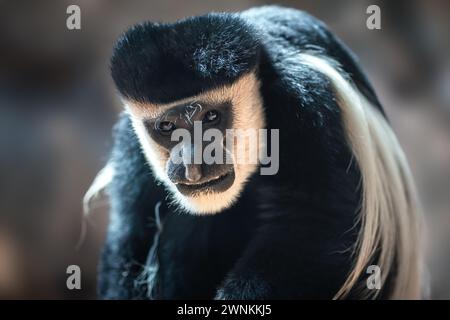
211,116
165,127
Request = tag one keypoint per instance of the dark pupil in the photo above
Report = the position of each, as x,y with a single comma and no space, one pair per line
166,126
211,115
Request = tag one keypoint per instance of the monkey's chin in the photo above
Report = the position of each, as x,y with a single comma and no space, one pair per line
206,203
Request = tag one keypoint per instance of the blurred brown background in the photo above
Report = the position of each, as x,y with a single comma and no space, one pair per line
57,106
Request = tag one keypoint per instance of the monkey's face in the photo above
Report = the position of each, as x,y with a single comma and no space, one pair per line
192,144
185,84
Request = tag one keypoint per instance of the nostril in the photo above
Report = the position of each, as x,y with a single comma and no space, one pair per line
175,172
193,172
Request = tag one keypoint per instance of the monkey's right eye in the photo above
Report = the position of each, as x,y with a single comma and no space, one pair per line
165,127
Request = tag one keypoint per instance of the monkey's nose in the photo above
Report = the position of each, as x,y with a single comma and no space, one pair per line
193,172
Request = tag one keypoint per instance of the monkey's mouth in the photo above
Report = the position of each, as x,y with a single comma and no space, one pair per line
217,184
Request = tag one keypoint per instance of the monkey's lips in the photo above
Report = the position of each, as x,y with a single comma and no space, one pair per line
217,184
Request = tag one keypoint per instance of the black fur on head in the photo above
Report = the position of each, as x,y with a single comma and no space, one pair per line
159,63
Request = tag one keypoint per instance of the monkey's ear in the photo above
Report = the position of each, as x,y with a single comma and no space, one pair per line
165,62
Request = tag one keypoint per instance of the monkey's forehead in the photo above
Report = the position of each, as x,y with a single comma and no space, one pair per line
159,63
242,90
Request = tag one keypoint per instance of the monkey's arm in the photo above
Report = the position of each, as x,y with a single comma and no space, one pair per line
290,259
133,196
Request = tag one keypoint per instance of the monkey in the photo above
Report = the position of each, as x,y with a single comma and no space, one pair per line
342,198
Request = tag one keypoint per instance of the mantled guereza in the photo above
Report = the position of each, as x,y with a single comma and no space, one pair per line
340,200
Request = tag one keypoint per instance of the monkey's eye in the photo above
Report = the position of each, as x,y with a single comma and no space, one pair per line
165,127
211,116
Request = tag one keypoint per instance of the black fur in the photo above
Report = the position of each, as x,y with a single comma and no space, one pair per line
289,235
165,62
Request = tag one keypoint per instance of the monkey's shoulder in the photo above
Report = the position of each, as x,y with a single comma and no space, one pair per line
289,28
285,33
